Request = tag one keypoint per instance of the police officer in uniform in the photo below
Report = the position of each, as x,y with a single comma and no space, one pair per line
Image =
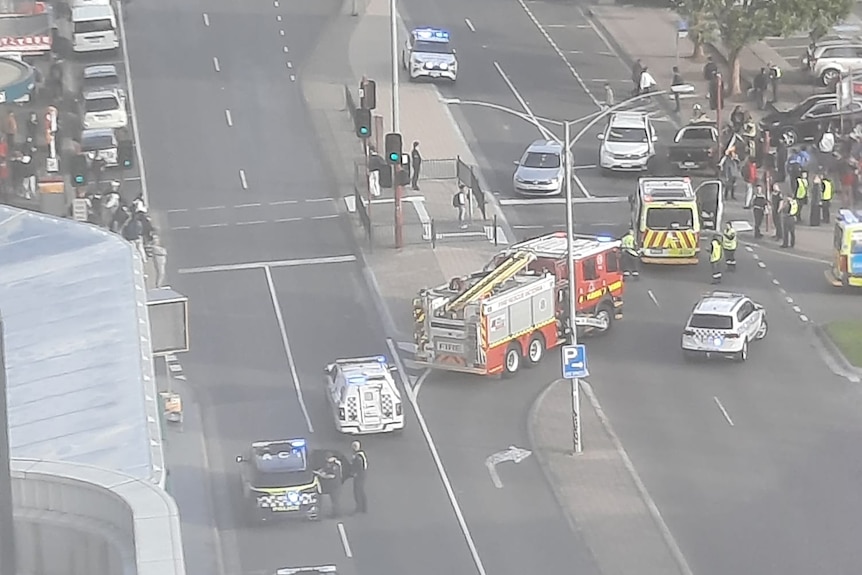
801,194
359,467
630,255
826,194
715,258
331,477
774,77
728,245
789,214
759,205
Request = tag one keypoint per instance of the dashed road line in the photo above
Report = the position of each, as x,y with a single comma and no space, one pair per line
248,205
281,32
253,223
723,411
216,64
228,118
287,220
283,202
342,533
289,64
326,217
212,208
469,25
278,18
286,49
242,180
653,298
206,19
787,298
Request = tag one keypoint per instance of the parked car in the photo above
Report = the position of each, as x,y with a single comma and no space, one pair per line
829,61
807,120
694,147
540,170
104,109
99,77
102,141
628,142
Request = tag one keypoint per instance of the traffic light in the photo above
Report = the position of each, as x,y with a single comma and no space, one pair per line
125,154
363,123
368,95
393,148
78,170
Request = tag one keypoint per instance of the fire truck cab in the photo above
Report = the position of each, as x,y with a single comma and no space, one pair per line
666,219
494,321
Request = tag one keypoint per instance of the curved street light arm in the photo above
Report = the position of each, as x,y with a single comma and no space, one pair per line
606,112
535,121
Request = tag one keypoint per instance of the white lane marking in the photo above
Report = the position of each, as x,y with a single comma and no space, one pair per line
222,225
761,264
775,281
288,353
290,64
228,117
252,223
555,26
560,53
178,211
287,220
789,300
585,167
782,291
562,201
206,208
318,200
545,132
342,532
278,18
292,78
132,108
328,217
653,298
283,202
803,317
435,455
418,385
242,180
216,64
668,537
797,309
248,205
270,264
275,3
206,19
286,50
469,25
281,32
181,228
528,227
723,411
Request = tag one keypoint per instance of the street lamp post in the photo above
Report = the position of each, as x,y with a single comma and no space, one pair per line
8,561
568,141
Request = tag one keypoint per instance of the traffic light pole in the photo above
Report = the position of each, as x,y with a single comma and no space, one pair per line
399,212
8,559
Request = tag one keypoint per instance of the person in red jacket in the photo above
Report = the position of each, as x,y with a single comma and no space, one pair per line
750,175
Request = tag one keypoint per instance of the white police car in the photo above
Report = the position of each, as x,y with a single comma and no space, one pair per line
723,324
364,396
429,54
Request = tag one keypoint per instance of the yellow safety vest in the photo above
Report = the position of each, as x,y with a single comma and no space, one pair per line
794,207
801,189
715,254
628,242
729,240
827,191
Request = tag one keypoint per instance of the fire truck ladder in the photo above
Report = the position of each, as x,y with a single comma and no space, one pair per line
506,270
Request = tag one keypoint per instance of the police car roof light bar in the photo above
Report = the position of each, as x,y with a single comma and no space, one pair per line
292,442
359,360
849,217
432,34
294,570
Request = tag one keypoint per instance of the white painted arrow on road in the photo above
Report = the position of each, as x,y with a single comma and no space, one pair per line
513,454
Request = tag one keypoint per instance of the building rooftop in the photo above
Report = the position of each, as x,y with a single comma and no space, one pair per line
81,385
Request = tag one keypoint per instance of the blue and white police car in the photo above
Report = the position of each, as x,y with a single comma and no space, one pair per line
723,324
364,396
428,53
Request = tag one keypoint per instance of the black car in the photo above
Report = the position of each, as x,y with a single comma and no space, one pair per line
278,480
810,117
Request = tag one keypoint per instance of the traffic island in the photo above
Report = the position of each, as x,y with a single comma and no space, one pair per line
847,337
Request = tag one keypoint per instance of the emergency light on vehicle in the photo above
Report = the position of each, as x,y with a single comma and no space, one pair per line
432,35
605,239
848,216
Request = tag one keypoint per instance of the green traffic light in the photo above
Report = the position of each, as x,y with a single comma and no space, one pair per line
394,156
79,179
363,130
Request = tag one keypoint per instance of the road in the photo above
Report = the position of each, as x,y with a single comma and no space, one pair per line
740,459
232,191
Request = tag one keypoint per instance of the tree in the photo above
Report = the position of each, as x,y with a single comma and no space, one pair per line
819,17
743,22
701,28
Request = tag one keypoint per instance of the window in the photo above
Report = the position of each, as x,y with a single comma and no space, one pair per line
432,47
697,134
669,219
856,243
588,268
838,237
101,104
539,160
94,26
710,321
840,52
745,310
822,109
93,143
627,135
612,261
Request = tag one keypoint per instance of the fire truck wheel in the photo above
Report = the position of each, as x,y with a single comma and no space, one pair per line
535,350
512,360
605,313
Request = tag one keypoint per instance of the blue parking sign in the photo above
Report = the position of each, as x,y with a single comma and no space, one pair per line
575,362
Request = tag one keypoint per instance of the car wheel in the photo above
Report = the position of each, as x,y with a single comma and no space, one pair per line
512,360
789,137
830,77
764,328
743,353
535,350
605,313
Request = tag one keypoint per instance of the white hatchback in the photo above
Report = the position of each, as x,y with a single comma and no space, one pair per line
723,324
104,109
628,142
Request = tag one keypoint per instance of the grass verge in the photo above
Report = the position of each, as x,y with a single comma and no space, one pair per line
847,335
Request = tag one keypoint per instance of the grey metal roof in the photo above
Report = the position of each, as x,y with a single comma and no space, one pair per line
81,386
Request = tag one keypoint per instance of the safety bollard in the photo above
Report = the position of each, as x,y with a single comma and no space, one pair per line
496,239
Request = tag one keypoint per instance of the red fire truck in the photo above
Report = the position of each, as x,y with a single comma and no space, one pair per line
494,321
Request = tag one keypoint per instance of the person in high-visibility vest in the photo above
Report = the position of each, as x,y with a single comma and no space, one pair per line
801,193
728,245
630,255
826,194
715,258
789,213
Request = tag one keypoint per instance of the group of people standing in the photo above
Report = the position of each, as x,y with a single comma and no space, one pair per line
335,473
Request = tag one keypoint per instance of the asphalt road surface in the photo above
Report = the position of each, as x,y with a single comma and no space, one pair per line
246,208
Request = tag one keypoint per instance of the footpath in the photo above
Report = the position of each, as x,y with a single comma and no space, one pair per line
597,490
660,51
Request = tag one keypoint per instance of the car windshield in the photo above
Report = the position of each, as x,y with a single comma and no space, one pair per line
539,160
856,243
104,104
710,321
92,143
102,80
628,135
433,47
669,218
89,26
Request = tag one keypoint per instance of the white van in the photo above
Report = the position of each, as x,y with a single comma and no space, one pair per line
94,28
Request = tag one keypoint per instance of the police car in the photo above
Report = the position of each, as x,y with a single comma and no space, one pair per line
364,396
428,54
278,480
723,324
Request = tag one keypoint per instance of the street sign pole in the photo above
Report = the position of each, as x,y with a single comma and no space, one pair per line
8,560
570,260
574,368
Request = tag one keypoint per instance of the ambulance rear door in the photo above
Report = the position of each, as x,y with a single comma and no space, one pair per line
369,405
710,204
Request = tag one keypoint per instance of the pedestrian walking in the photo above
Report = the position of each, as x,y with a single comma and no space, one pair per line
758,207
789,214
331,479
359,469
415,165
715,258
10,130
647,83
609,95
728,246
774,78
160,259
676,81
459,202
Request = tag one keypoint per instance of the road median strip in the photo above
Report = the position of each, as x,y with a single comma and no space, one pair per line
847,337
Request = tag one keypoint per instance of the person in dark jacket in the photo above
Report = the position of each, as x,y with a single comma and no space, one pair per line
331,479
358,469
415,165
